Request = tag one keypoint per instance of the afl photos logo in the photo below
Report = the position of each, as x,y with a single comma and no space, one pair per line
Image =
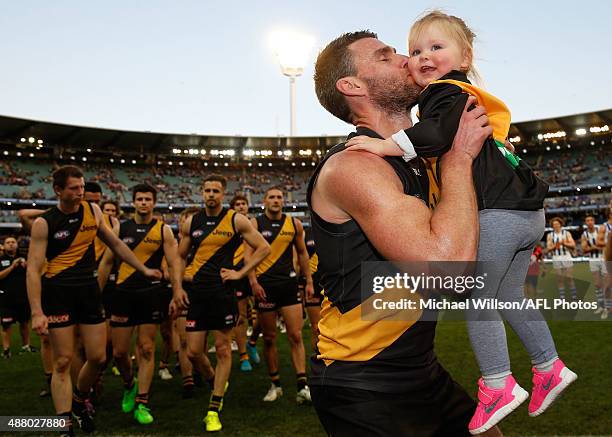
61,235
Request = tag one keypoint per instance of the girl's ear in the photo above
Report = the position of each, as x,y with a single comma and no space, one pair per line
466,63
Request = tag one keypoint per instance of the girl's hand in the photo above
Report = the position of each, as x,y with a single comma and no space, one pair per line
374,145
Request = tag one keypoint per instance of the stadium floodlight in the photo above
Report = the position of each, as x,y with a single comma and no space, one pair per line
292,50
581,131
598,129
40,141
23,140
31,140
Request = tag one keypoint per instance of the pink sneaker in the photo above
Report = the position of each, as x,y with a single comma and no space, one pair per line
495,404
547,386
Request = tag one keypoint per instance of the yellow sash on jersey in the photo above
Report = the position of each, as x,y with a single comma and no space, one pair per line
239,254
314,263
283,239
361,333
73,254
215,241
149,245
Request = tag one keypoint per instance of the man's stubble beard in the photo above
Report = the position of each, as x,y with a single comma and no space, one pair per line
391,96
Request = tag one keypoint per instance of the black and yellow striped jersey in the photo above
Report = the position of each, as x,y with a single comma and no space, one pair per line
352,350
215,240
70,251
147,243
239,256
313,258
280,234
99,245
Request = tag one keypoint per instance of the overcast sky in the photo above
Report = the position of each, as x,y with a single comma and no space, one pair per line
207,66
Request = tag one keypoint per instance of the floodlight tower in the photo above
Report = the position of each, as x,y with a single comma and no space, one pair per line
292,50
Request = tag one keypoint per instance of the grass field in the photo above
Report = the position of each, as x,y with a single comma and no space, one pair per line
584,410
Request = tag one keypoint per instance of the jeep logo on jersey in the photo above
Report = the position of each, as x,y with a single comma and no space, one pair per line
128,240
151,241
286,233
60,235
198,233
88,228
223,233
266,234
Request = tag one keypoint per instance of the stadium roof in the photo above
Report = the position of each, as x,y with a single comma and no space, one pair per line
14,129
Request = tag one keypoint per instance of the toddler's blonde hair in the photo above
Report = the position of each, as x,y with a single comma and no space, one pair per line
456,29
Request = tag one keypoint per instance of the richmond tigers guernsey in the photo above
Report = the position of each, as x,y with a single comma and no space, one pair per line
215,240
379,355
280,234
70,251
147,243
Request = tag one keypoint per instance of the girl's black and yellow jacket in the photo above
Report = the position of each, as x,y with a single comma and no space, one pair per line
501,179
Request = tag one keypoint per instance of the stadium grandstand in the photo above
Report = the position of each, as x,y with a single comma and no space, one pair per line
572,153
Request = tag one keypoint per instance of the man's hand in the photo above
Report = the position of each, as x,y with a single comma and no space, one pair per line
473,130
374,145
309,289
230,275
509,146
258,291
153,274
180,301
40,324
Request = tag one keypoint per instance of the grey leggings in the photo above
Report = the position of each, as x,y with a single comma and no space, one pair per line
507,239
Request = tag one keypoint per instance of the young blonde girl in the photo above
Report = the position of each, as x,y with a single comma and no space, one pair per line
510,199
